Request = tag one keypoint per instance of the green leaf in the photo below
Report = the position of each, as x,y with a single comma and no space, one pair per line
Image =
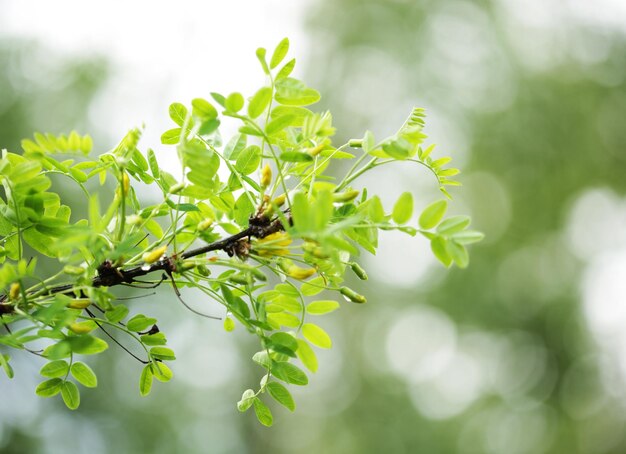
140,323
295,156
234,102
438,246
53,369
313,287
322,307
203,109
263,413
247,399
163,353
279,53
453,224
260,54
286,70
248,160
306,354
403,209
4,362
278,124
284,340
432,214
145,380
118,313
171,136
293,92
70,395
289,373
459,254
87,344
259,102
49,388
316,335
162,372
178,113
468,237
84,375
281,395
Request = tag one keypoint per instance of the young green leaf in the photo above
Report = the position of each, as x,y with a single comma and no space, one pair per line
322,307
289,373
432,214
316,335
403,209
58,368
145,380
234,102
306,354
453,224
281,395
70,395
279,53
49,388
259,102
84,375
247,399
263,413
162,353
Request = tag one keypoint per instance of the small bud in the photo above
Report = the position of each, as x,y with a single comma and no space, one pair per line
205,224
187,265
125,183
229,324
82,327
346,196
266,175
14,291
279,201
79,303
177,188
356,143
299,273
358,270
73,270
203,270
134,219
239,279
352,295
316,150
153,256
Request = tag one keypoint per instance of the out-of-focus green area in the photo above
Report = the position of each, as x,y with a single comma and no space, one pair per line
498,358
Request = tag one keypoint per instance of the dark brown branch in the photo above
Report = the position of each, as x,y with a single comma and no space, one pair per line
109,276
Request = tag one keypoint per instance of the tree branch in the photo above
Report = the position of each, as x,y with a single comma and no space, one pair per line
109,276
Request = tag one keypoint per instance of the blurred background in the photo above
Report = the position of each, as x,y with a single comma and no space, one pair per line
524,352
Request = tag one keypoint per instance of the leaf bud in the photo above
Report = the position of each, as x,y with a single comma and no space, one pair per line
125,183
14,291
73,270
345,196
266,175
177,188
316,150
280,200
205,224
299,273
153,256
79,303
81,327
203,270
356,143
229,324
358,270
352,295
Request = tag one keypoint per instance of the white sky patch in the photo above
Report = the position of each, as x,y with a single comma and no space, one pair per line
161,51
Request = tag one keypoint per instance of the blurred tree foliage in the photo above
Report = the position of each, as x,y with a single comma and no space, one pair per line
540,101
